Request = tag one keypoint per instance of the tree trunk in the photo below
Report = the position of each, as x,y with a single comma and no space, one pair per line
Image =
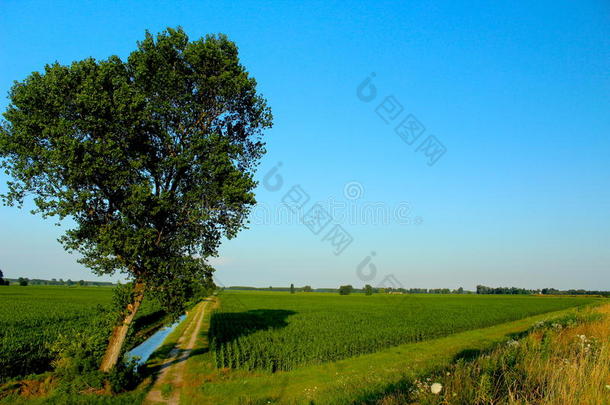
119,333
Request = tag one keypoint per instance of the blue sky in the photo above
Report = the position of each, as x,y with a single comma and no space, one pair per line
518,94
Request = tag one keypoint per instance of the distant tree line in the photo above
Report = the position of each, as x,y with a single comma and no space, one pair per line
347,289
369,290
24,281
423,290
292,288
481,289
552,291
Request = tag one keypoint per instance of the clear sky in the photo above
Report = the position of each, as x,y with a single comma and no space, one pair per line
517,94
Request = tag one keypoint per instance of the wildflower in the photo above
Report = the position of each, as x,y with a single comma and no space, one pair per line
436,388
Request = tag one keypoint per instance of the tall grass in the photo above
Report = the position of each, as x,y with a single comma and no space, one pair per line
565,362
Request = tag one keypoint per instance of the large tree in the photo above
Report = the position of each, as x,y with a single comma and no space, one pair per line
151,158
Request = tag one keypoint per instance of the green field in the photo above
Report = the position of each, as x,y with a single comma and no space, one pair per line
33,317
276,331
276,347
256,328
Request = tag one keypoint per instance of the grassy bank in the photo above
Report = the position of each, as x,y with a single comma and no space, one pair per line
564,362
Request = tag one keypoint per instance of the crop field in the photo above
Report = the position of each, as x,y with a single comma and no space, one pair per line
33,317
279,331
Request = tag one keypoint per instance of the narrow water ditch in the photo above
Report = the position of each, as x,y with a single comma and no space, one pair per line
146,348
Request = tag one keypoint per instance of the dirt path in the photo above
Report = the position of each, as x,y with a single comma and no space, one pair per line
171,373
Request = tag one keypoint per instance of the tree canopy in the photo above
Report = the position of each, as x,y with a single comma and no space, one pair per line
152,157
345,289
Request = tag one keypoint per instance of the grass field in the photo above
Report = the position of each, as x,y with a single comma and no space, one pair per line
33,317
359,379
276,347
279,331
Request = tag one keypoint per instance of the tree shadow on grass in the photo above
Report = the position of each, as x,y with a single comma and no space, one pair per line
228,326
467,355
